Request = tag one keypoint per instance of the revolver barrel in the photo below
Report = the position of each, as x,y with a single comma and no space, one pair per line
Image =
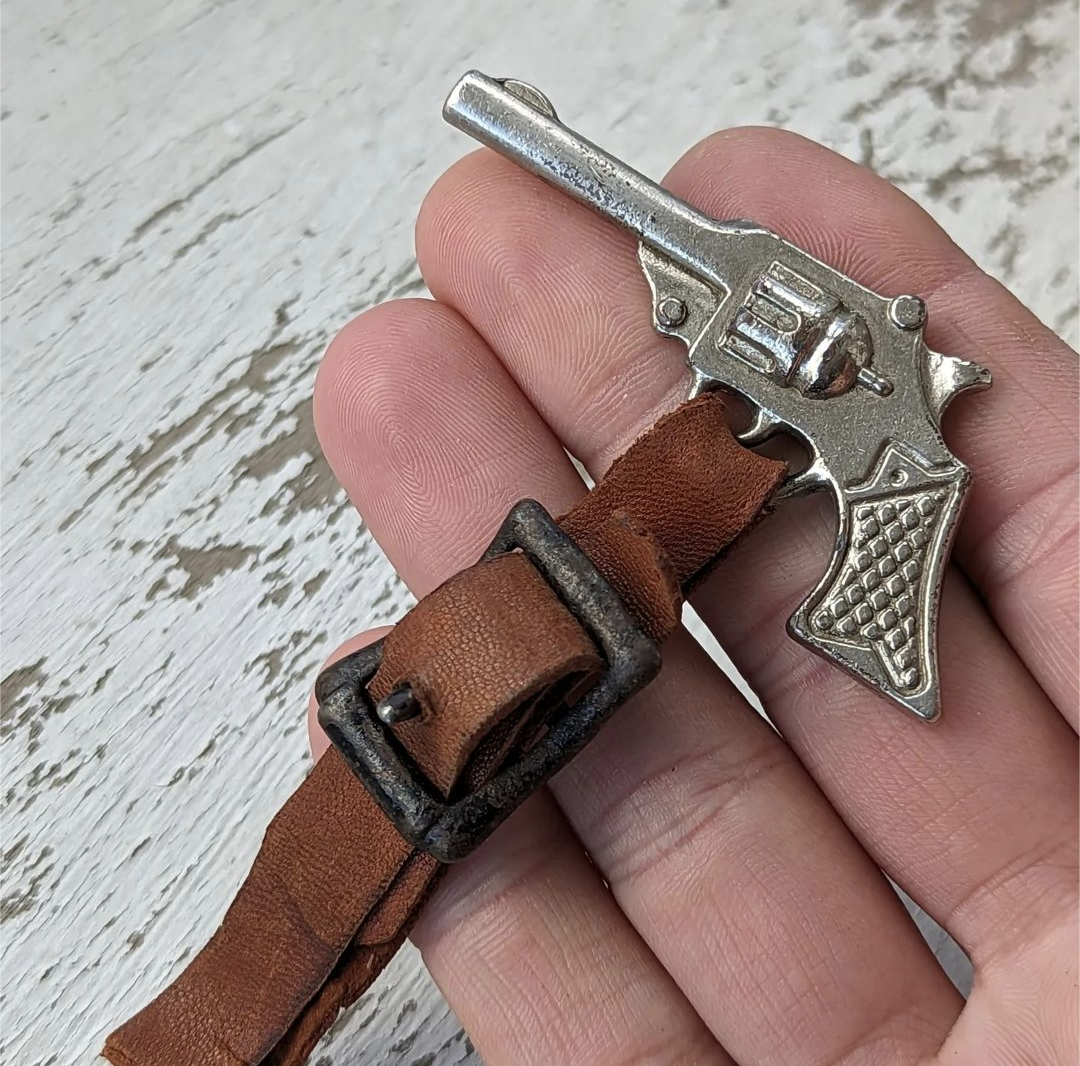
518,122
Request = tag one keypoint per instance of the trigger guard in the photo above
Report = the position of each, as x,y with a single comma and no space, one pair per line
763,426
812,479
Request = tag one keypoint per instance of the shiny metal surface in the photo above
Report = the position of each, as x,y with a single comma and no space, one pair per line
817,355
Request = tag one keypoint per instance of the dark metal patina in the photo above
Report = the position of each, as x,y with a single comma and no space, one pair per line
450,828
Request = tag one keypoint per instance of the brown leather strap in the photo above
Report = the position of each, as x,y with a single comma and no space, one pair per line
334,888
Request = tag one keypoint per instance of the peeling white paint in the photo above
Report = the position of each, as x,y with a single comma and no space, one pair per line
196,196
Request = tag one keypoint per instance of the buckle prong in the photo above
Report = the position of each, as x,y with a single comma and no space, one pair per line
450,830
399,706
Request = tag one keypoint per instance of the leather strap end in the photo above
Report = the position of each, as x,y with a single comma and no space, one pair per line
334,888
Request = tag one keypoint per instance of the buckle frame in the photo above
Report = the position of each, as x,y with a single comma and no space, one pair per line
449,830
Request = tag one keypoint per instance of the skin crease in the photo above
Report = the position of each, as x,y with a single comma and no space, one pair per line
746,919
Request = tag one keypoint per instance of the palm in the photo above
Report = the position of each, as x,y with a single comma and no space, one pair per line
747,919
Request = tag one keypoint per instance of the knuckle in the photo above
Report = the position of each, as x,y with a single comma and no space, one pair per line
686,802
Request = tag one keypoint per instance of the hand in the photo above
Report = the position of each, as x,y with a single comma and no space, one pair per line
747,919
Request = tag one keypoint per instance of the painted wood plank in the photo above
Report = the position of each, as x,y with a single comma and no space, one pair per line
196,195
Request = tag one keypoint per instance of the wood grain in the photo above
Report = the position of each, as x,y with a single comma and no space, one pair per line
196,196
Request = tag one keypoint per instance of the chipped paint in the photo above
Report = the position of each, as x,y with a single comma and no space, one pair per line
18,686
199,566
203,194
160,214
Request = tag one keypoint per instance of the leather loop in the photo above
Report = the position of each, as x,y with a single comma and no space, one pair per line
334,888
489,639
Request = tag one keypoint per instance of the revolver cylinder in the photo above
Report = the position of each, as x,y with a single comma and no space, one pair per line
802,337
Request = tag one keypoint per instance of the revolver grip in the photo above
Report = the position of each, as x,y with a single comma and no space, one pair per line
875,610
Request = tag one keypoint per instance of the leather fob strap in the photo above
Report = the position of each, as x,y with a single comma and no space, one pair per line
334,887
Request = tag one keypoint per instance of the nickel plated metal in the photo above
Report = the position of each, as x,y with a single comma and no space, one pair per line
815,354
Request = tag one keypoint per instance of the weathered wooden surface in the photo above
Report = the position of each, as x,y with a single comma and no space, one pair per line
196,195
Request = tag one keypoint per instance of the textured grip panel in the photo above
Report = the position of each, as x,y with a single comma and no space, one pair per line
875,611
876,596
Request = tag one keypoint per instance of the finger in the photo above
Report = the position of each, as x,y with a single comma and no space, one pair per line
538,960
1000,776
714,841
538,963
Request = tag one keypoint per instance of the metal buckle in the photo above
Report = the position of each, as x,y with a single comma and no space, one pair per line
449,830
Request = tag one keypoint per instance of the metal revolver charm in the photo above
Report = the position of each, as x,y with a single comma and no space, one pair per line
814,354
